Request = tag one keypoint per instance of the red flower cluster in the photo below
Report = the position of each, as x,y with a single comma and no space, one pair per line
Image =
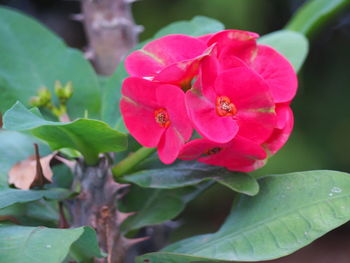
232,91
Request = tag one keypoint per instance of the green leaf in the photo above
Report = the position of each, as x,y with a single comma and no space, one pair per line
154,206
199,25
90,137
293,45
291,211
86,247
36,213
16,147
314,13
33,57
9,196
186,173
21,244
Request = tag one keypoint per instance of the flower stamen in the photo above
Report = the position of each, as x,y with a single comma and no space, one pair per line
224,107
162,117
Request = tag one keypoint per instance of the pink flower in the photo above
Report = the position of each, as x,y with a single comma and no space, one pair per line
240,154
231,102
272,66
155,114
233,91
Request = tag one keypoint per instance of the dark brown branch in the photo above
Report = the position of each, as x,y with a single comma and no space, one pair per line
111,32
96,206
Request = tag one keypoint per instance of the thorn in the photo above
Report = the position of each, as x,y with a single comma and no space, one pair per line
121,217
131,242
139,29
77,17
123,190
130,1
89,54
69,163
63,223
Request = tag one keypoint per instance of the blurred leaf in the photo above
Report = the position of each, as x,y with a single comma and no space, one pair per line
186,173
90,137
199,25
21,244
15,147
33,57
62,176
35,213
9,196
294,46
155,206
314,13
291,211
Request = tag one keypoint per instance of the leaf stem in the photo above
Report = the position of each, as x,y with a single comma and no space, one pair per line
314,14
125,165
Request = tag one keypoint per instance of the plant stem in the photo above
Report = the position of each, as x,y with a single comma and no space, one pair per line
110,30
129,162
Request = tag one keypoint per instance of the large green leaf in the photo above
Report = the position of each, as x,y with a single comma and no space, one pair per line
154,206
314,14
293,45
32,57
186,173
16,147
290,212
199,25
21,244
9,196
90,137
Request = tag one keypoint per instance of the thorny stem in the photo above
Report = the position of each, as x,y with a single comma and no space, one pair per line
96,206
110,30
129,162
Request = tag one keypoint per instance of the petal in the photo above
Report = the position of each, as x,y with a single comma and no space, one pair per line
170,145
181,73
195,148
163,52
255,125
277,72
140,91
208,74
239,155
206,121
280,136
141,123
241,44
205,38
173,100
283,113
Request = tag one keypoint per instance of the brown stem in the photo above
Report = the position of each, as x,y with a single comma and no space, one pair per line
96,207
111,32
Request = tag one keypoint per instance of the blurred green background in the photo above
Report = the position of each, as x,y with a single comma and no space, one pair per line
322,110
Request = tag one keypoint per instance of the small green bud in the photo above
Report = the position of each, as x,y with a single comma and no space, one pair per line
65,92
68,90
44,96
35,102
